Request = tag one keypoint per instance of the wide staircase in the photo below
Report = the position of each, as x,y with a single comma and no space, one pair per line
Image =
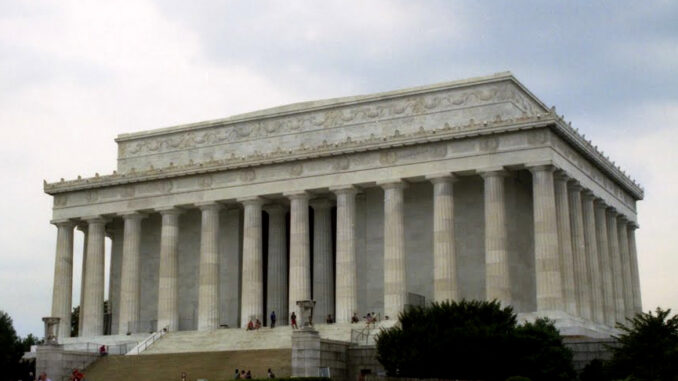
213,366
214,355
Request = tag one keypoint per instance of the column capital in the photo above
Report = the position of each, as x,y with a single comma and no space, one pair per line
63,223
599,203
588,194
445,177
561,175
574,186
95,220
492,172
132,215
170,210
209,205
254,200
612,212
275,208
633,225
297,195
392,184
344,189
321,203
622,218
82,226
544,166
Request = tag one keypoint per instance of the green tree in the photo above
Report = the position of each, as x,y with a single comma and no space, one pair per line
12,349
648,348
472,340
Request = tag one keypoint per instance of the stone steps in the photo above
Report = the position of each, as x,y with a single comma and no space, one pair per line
213,366
234,339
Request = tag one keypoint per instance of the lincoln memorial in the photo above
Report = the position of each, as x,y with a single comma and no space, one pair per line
366,204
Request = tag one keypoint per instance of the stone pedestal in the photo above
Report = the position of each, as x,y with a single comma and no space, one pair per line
305,308
51,330
305,353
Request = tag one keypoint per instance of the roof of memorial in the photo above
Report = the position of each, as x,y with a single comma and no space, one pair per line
549,117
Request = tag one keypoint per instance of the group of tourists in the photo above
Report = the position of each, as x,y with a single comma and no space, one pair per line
246,375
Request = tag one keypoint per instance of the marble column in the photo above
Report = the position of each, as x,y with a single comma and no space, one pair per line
115,232
63,277
604,262
347,284
622,232
208,276
168,279
565,243
395,287
497,276
635,276
591,245
300,251
323,264
615,256
130,282
93,312
252,305
445,285
276,296
581,275
83,228
546,248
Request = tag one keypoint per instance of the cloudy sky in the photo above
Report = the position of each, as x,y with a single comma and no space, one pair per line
75,74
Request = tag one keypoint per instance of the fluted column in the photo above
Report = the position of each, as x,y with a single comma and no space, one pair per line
208,282
346,285
277,286
565,243
615,255
130,282
604,262
581,277
395,287
252,306
546,249
83,228
300,251
596,282
323,266
63,277
445,285
93,313
168,280
497,276
635,276
625,266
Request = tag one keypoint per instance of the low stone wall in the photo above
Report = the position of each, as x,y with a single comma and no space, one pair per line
363,363
58,363
334,355
583,351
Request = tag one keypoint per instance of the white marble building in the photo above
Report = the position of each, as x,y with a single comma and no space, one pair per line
468,189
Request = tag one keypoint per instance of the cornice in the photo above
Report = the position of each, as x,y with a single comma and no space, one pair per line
422,136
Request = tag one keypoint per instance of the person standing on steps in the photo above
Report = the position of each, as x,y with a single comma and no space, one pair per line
273,318
293,321
237,375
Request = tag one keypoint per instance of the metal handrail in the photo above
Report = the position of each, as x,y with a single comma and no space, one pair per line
147,342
